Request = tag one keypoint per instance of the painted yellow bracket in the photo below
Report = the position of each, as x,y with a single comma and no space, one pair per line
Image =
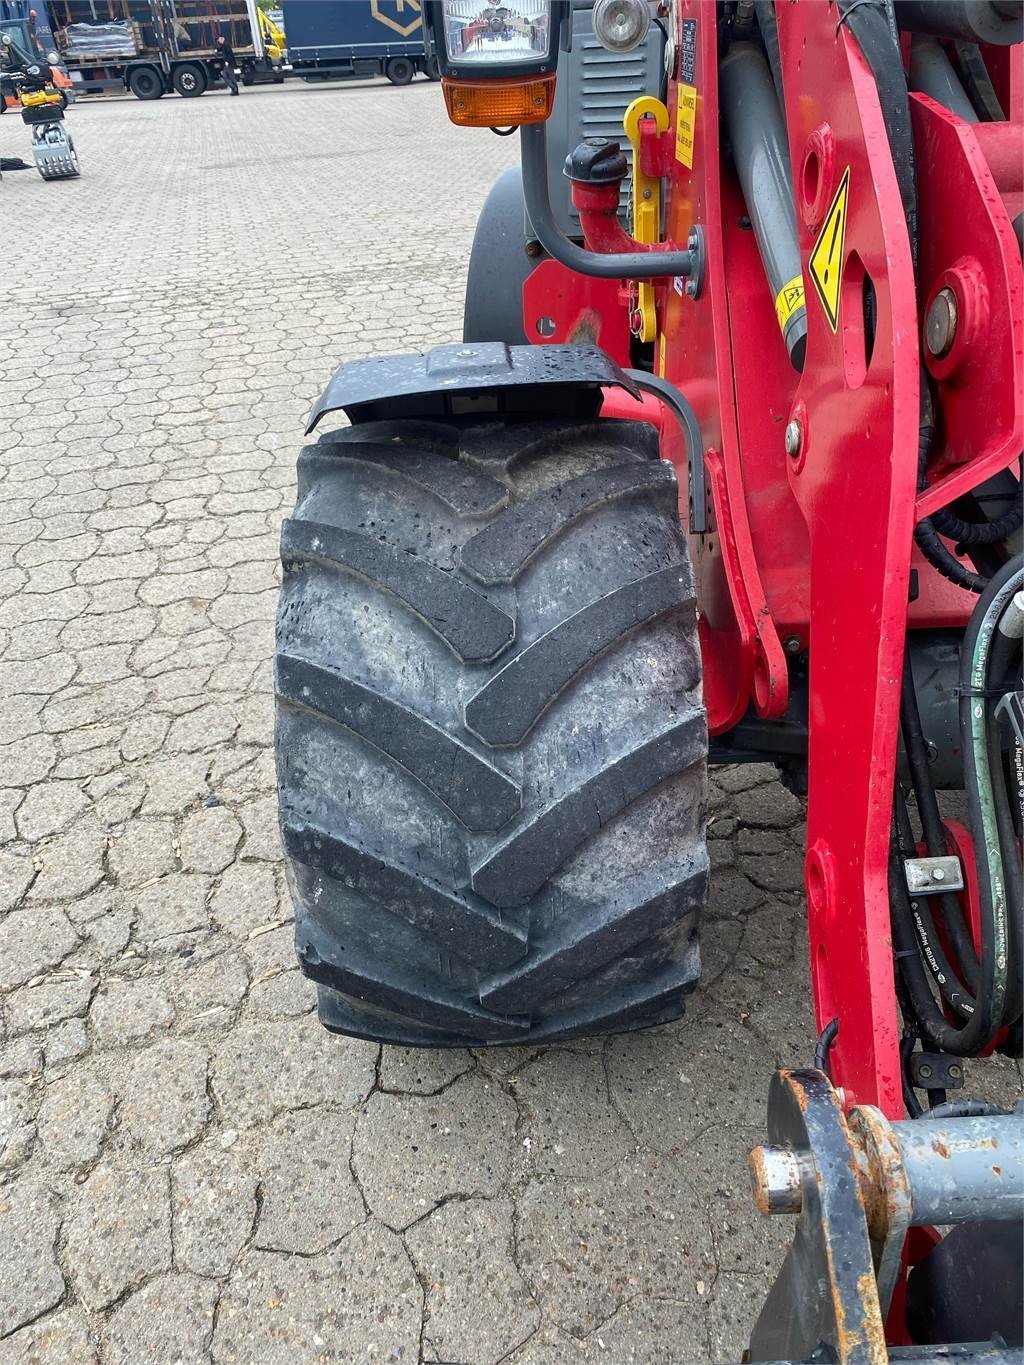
646,225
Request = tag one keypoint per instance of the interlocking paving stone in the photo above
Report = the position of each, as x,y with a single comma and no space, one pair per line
217,259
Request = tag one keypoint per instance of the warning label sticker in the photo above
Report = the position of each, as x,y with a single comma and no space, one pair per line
686,125
826,263
789,298
686,108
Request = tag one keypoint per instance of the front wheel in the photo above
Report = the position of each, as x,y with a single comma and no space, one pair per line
190,81
399,71
145,84
491,742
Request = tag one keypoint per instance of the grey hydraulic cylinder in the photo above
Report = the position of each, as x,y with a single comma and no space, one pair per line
761,153
932,73
962,1169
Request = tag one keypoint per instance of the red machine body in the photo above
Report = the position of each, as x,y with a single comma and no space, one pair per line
776,575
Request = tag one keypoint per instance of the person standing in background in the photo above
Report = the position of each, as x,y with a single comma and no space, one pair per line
225,53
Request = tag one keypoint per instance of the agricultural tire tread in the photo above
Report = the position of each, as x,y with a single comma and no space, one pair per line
491,742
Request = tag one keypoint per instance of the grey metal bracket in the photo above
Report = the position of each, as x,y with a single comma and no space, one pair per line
932,876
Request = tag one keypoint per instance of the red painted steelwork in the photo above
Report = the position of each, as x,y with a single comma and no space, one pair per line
816,547
973,252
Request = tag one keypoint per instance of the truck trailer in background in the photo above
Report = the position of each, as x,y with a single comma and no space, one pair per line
356,39
153,47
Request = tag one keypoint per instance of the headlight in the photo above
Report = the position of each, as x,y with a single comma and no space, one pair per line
483,35
485,39
497,60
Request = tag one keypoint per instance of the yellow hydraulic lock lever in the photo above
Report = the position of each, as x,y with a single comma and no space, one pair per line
646,224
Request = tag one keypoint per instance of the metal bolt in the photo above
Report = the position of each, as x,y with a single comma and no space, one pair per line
940,324
924,1071
955,1072
647,194
533,248
776,1179
794,438
938,875
791,644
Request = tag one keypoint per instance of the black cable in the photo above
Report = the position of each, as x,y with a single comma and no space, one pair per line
944,560
925,533
965,1109
977,532
825,1040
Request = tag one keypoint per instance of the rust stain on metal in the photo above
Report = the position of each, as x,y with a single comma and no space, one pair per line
759,1180
874,1328
997,1170
940,1147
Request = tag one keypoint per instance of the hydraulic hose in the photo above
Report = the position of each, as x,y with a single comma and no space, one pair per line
935,839
935,1028
978,777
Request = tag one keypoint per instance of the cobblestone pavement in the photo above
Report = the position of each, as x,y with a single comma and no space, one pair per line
192,1169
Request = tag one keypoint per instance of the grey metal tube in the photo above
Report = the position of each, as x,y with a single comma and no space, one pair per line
962,1169
761,153
932,73
976,21
621,265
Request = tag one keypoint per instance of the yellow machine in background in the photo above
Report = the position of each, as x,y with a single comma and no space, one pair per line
274,40
30,81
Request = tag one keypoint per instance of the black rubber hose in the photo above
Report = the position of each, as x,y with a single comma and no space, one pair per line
931,825
1001,668
868,21
979,831
934,1027
943,973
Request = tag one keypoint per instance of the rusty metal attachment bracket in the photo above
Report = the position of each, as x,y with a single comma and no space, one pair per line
856,1184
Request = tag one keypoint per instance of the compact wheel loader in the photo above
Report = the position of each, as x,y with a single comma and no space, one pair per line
727,468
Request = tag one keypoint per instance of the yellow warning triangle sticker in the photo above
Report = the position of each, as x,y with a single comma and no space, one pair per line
826,263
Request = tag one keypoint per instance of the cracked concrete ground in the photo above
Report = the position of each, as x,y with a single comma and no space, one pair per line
192,1170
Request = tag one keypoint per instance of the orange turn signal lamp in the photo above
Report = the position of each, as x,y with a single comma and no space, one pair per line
499,103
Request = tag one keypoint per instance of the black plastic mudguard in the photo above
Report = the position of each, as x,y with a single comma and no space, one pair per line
464,379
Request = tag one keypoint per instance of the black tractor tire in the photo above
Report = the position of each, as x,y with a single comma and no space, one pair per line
190,80
491,742
145,83
498,266
400,70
